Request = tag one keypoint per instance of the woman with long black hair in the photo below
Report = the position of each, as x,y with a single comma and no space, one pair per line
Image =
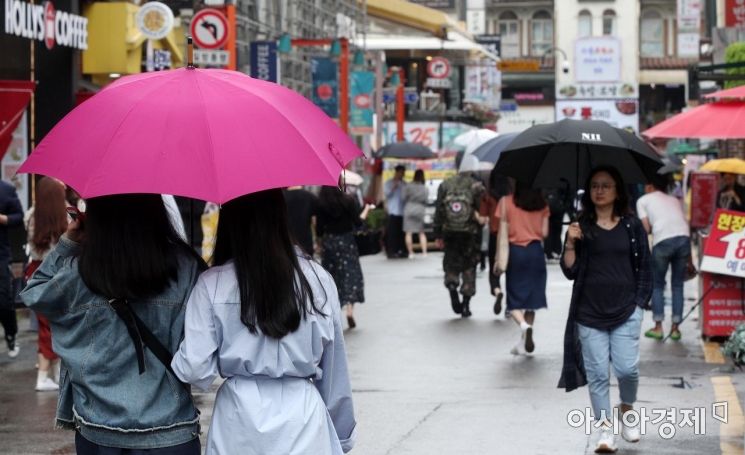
607,255
114,273
267,318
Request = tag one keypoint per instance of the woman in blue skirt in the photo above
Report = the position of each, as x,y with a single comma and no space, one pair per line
527,215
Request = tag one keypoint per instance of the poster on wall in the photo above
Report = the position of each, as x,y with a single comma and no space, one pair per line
14,157
325,75
426,133
597,59
619,113
483,86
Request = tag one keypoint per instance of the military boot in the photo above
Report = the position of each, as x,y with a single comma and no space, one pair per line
466,313
455,301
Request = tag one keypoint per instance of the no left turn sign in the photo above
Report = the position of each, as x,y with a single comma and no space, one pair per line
209,28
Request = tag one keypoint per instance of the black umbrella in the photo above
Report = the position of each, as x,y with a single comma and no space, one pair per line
490,150
554,154
404,150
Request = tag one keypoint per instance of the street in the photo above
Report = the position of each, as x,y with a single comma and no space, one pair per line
428,382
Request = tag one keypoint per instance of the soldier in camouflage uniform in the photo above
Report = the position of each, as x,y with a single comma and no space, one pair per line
457,227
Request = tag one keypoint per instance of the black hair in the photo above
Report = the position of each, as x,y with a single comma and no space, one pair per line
660,183
499,185
620,205
528,198
275,294
335,203
419,176
130,246
399,167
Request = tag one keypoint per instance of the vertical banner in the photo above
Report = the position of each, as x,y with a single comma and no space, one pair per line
362,85
704,188
264,61
325,75
734,13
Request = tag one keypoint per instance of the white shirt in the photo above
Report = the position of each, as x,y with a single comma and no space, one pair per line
665,216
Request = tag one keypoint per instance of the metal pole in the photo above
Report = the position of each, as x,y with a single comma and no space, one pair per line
344,85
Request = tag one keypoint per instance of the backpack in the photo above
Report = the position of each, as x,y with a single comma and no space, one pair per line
459,209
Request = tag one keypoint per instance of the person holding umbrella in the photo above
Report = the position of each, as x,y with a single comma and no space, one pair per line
268,319
607,255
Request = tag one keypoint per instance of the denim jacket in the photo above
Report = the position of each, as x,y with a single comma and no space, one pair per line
102,395
573,370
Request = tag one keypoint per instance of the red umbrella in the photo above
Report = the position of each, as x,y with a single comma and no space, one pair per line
720,120
737,93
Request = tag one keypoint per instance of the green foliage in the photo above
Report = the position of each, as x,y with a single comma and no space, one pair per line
734,348
735,53
376,219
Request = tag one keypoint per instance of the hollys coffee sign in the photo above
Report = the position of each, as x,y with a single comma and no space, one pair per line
42,22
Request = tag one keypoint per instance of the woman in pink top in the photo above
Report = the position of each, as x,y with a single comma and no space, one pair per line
527,214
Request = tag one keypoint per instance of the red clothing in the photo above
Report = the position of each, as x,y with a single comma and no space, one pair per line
525,227
488,208
45,332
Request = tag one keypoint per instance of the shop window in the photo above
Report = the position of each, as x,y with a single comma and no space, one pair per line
609,23
652,34
541,33
584,24
509,29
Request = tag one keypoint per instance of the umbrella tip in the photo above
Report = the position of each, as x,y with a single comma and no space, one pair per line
189,52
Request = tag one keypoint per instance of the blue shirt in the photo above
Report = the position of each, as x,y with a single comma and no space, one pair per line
394,197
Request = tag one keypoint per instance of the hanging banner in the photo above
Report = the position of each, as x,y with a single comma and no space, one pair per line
734,13
325,75
362,86
264,60
704,188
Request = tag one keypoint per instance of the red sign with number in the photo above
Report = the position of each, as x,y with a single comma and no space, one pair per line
724,250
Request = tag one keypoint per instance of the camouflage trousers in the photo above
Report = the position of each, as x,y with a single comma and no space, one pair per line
462,252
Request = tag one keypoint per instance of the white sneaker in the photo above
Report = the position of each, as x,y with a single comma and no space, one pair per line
46,385
606,442
13,353
631,433
519,348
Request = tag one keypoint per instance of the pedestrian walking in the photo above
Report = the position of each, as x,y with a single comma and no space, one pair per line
302,208
527,216
499,186
11,214
415,201
117,282
607,255
338,215
457,228
395,245
267,318
45,221
663,217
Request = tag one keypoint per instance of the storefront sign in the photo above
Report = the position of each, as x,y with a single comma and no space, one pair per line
523,117
519,66
264,61
434,169
724,250
704,188
600,90
154,20
43,23
619,113
597,60
734,13
492,43
325,76
362,86
722,308
426,133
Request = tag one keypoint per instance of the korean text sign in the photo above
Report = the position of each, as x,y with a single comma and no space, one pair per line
724,251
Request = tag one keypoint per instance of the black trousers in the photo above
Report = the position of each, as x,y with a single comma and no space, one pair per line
395,244
552,245
85,447
7,308
493,278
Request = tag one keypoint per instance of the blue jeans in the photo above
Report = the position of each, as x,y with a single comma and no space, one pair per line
673,253
620,347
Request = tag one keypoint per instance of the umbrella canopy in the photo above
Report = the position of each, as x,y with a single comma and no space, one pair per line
725,165
352,178
736,93
491,150
470,140
404,150
722,120
470,163
564,152
208,134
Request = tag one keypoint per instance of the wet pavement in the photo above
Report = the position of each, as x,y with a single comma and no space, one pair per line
428,382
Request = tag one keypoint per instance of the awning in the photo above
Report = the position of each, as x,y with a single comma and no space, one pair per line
411,15
14,97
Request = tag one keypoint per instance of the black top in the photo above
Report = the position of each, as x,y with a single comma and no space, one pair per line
729,203
338,218
302,206
11,207
607,299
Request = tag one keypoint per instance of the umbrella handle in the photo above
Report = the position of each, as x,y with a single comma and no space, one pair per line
189,53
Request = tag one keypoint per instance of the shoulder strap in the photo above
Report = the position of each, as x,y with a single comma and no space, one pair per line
142,337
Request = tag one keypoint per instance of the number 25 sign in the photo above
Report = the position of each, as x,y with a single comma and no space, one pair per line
724,251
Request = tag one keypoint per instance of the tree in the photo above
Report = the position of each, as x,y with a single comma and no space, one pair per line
735,53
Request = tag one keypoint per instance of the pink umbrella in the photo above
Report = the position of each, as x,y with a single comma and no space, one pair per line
208,134
720,120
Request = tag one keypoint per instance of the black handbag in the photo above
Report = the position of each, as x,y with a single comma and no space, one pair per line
368,242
